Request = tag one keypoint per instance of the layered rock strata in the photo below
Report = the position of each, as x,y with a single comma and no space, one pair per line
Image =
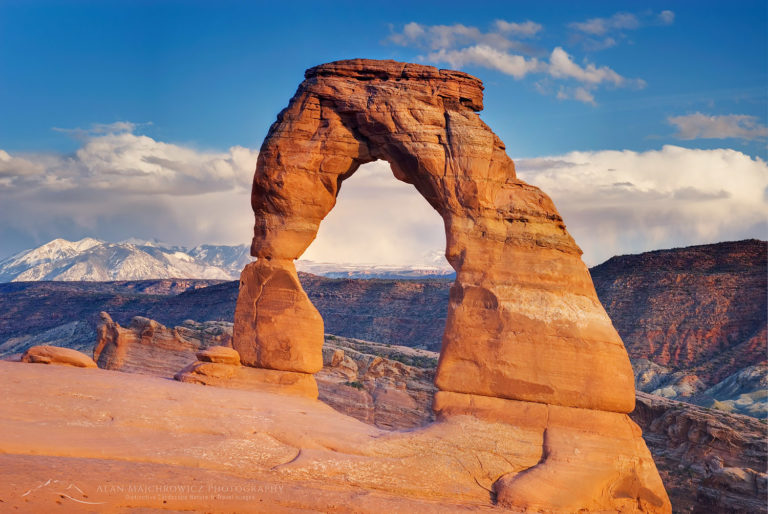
524,323
148,347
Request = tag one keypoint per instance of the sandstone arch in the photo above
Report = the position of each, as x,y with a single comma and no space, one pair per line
526,339
524,321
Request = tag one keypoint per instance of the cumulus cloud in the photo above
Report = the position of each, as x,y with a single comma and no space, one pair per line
561,65
703,126
483,55
616,202
120,184
460,45
447,37
525,29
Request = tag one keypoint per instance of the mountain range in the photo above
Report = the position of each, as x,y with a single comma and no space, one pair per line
94,260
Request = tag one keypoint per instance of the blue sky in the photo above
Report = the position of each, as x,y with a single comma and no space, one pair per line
202,78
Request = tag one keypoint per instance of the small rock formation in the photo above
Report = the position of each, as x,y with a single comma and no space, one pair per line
45,354
148,347
219,355
526,339
220,366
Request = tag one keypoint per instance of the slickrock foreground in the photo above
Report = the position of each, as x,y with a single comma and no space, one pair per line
104,431
526,343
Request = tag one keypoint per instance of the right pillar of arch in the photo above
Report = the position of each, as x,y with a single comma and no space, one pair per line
528,343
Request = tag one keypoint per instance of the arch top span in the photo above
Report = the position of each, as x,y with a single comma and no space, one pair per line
456,85
420,119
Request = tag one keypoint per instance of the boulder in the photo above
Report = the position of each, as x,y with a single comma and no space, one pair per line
276,326
219,355
45,354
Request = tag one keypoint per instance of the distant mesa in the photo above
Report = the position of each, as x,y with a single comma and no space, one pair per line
526,340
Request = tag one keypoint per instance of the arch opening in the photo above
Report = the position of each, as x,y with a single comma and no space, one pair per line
378,223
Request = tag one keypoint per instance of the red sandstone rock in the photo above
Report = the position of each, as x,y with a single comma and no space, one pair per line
148,347
253,379
45,354
699,310
276,326
523,308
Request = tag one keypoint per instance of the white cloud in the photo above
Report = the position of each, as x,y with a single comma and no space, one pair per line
597,34
601,26
119,184
131,163
703,126
525,29
616,202
482,55
446,37
577,93
461,45
666,17
561,65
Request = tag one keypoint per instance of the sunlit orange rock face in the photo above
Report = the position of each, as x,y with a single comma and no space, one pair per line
524,325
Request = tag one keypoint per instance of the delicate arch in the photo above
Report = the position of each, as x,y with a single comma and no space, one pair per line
523,308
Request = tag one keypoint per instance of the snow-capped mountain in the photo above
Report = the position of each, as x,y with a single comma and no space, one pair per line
229,258
94,260
133,259
342,270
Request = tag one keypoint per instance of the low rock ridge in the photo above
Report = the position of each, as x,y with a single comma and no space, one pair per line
700,310
148,347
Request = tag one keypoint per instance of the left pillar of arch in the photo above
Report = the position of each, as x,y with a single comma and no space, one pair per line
306,155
